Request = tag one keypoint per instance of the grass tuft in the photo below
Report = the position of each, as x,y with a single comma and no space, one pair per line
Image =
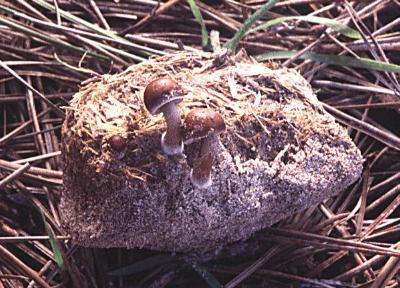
334,25
199,18
234,42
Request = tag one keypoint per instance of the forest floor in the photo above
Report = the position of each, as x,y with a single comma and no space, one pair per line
347,50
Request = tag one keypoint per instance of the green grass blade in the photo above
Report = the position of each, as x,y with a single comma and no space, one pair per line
234,42
58,255
73,68
77,20
48,39
197,15
334,25
143,265
117,51
334,60
94,28
207,276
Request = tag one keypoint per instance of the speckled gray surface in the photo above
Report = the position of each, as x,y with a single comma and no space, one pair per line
281,153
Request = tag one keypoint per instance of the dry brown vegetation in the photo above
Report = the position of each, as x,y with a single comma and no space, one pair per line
48,48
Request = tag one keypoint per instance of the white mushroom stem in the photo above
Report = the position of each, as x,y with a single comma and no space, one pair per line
200,175
171,140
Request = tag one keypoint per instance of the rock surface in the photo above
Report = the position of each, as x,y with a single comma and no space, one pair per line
281,153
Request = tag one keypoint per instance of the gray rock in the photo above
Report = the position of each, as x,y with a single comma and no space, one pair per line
280,154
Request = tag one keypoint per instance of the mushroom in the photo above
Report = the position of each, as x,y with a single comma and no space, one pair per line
162,96
203,125
118,145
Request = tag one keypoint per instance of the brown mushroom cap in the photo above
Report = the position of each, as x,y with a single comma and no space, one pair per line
117,143
160,92
200,122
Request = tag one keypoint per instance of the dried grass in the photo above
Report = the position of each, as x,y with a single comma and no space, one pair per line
368,213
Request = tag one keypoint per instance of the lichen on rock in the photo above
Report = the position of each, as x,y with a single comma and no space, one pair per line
280,153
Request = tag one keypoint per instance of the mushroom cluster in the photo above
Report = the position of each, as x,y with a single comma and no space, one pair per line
201,125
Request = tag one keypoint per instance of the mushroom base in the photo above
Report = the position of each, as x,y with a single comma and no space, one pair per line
168,149
200,183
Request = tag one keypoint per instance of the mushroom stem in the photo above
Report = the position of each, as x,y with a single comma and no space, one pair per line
171,140
161,96
200,175
205,125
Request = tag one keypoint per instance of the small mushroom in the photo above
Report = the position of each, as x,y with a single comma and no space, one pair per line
118,146
162,96
203,125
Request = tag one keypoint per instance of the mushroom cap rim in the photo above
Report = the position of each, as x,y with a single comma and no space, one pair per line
158,109
160,92
194,139
201,123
